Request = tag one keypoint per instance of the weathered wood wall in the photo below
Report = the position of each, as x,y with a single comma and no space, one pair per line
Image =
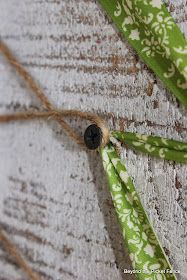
55,203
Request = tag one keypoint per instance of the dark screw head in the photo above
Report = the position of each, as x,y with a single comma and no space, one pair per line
93,137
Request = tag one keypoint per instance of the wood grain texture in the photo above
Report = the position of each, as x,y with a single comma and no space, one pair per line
55,204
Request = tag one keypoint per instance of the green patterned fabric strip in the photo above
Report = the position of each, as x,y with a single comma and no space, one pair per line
144,249
155,146
151,30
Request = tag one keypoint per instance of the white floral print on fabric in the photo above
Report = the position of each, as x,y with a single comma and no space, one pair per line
156,4
156,146
144,249
155,39
152,31
135,34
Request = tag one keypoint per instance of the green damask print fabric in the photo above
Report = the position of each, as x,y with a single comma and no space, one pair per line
151,30
144,249
155,146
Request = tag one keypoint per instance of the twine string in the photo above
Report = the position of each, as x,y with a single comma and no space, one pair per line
18,257
50,113
57,115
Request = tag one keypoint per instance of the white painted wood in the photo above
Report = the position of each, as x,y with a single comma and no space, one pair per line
55,204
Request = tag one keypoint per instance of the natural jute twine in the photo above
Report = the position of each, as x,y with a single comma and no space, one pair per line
50,113
18,257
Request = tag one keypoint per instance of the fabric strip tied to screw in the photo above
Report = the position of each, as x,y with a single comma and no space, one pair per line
144,249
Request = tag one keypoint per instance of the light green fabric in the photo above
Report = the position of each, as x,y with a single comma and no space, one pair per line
153,33
155,146
143,246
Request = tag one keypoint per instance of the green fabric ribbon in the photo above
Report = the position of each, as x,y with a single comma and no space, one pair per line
147,256
155,146
153,33
151,30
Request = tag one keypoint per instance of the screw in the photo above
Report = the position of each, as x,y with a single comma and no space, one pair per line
93,137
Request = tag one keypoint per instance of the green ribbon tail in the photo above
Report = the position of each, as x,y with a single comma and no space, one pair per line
145,251
153,33
156,146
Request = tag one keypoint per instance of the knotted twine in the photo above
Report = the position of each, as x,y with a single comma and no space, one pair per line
144,248
52,112
57,115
